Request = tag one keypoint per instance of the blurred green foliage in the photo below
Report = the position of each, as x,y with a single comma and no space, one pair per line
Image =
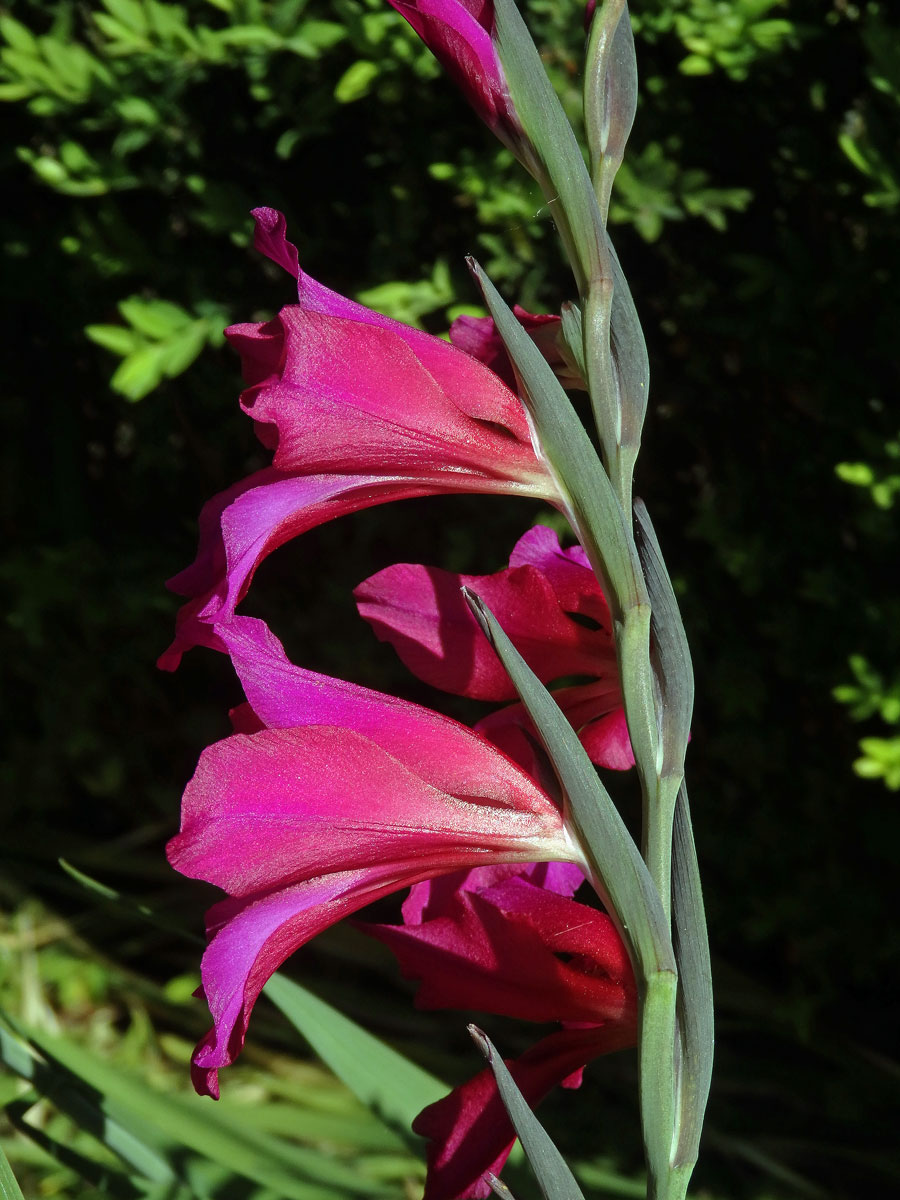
159,341
882,482
756,217
867,697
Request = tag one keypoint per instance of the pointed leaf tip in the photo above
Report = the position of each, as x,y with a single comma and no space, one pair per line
498,1187
482,1041
554,1178
479,611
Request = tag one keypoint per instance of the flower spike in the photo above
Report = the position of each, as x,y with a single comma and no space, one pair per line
359,410
511,940
303,822
553,609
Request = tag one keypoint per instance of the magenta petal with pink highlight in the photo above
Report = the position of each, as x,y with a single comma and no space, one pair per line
240,527
348,395
593,709
436,897
459,35
474,390
605,738
479,337
511,940
421,611
282,695
552,608
359,410
338,797
574,583
518,950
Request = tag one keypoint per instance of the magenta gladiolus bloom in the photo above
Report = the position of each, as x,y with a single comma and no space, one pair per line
478,336
459,33
359,410
553,609
330,797
510,940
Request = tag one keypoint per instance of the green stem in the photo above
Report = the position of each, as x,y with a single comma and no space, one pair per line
656,1039
673,1187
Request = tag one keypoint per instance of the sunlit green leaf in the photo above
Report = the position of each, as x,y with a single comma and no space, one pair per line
117,338
390,1085
139,373
355,82
149,1118
9,1188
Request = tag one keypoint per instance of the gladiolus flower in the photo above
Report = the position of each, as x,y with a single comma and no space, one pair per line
330,797
460,34
478,336
510,940
549,603
359,410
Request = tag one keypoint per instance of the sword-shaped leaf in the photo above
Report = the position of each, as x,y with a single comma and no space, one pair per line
695,996
392,1086
670,647
554,1178
620,871
594,508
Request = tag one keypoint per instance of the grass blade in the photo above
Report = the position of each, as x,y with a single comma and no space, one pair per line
9,1188
391,1086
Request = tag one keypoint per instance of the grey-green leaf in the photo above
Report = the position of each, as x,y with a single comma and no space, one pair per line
554,1178
630,894
673,658
589,497
573,334
610,93
572,200
629,350
695,996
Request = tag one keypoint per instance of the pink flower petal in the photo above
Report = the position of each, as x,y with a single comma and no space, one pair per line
517,950
458,33
446,754
511,731
350,395
554,611
478,336
359,410
569,572
435,897
422,613
594,710
469,1131
241,526
475,391
254,937
286,821
270,238
607,742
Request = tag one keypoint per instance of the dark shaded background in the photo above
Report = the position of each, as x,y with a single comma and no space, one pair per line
757,221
